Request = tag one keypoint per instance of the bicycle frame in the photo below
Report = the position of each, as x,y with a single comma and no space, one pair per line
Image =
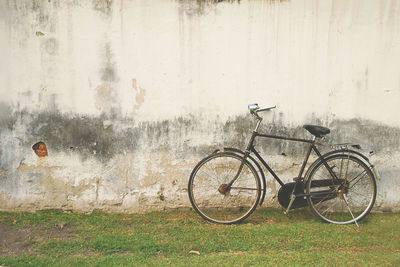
311,147
251,149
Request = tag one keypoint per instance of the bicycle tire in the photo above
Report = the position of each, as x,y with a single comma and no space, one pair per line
207,177
346,201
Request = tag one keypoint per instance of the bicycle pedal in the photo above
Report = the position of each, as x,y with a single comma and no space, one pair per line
287,215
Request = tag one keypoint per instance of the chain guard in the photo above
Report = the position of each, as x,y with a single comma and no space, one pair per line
285,192
284,196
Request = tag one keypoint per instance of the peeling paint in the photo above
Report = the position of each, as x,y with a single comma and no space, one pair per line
140,94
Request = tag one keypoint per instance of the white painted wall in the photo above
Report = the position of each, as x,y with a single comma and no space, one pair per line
339,56
151,61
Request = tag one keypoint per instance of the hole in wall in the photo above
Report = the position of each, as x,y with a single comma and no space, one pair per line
40,149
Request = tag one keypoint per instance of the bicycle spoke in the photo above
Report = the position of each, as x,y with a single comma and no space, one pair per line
357,180
322,200
210,175
341,168
354,201
229,174
334,203
243,188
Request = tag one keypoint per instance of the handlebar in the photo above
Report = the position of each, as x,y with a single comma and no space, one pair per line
267,108
254,109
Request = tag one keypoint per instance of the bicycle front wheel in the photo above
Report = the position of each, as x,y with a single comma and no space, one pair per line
347,199
208,193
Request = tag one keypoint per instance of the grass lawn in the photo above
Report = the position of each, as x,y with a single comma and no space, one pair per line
167,238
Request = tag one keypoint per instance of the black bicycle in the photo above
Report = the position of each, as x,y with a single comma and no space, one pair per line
339,186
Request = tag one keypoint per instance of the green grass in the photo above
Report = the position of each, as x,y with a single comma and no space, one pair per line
166,238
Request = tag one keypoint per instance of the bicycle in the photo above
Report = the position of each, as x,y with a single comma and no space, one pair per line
339,186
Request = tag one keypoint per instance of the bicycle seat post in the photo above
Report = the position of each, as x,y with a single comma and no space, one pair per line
299,179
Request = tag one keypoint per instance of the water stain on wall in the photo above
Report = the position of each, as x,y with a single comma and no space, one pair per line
104,6
82,134
50,45
105,96
159,180
107,135
204,7
372,136
239,129
108,71
7,118
102,96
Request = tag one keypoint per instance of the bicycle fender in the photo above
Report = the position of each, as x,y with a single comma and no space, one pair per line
372,166
254,161
340,151
347,151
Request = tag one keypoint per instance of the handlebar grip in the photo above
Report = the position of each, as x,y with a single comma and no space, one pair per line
265,109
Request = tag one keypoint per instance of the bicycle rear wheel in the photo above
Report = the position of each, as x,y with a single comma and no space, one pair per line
211,175
346,200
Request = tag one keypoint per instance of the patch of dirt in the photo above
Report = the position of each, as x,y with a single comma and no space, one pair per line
18,240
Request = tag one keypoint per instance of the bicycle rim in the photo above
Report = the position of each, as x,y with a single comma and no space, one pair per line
345,201
230,207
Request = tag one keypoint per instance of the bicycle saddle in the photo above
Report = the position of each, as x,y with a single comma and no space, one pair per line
318,131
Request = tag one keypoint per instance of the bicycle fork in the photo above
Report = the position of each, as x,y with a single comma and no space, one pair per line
224,188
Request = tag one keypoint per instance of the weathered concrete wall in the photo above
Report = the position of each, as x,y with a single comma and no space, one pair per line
129,95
